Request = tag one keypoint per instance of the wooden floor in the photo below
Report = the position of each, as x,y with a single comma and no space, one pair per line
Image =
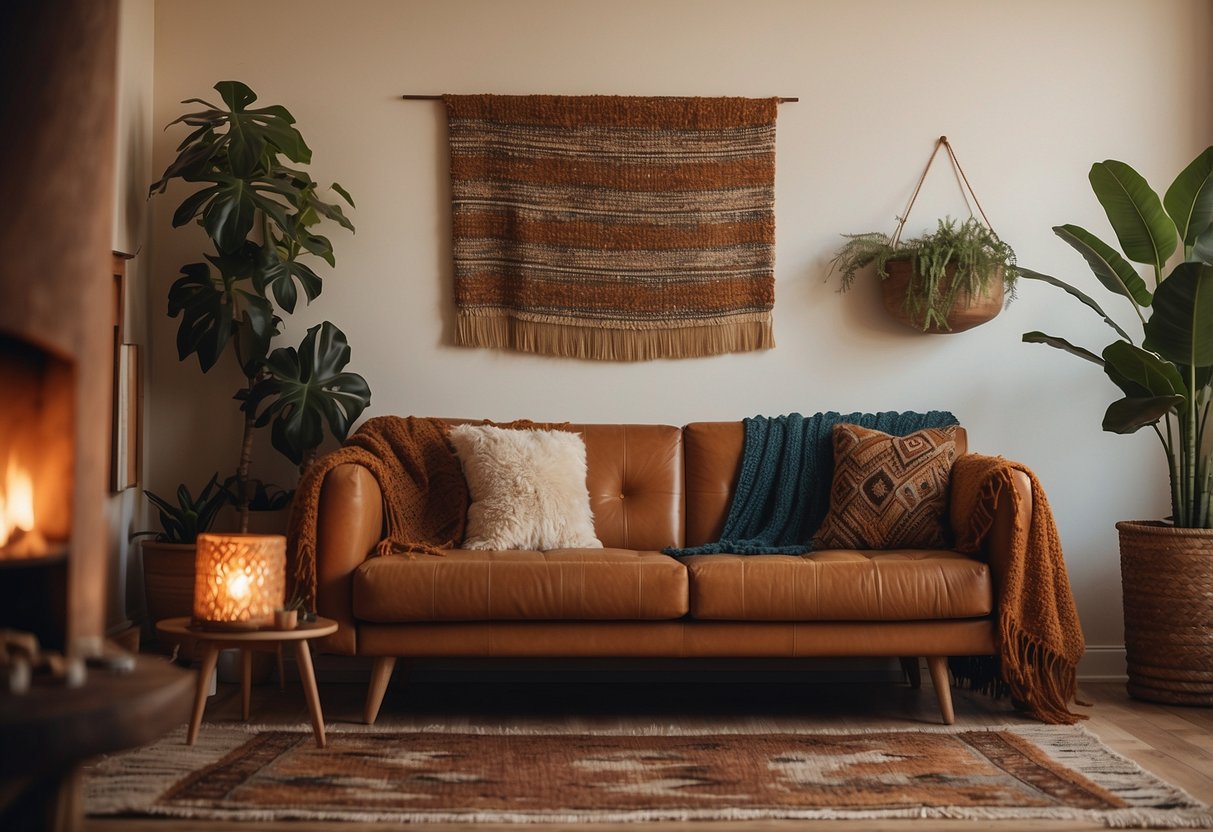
1173,742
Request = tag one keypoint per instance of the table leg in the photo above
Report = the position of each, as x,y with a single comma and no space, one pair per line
281,669
246,682
209,659
303,657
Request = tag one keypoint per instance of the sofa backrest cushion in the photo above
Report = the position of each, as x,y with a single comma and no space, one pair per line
713,452
713,460
635,480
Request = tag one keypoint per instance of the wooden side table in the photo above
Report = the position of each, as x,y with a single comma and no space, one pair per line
246,640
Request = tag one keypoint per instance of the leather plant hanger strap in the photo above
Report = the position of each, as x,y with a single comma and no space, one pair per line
942,142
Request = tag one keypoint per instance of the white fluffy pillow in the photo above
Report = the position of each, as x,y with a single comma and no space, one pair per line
528,489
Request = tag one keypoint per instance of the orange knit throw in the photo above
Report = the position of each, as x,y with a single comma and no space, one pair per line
425,495
1039,637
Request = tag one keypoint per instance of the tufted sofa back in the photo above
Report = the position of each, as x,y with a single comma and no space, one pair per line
635,480
653,486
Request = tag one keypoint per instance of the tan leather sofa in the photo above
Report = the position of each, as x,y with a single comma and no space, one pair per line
651,486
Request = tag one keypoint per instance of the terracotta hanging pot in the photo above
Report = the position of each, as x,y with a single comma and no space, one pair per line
967,310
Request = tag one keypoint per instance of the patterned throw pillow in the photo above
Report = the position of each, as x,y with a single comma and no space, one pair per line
889,492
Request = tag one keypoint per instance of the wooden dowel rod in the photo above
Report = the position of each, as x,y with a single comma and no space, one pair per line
439,98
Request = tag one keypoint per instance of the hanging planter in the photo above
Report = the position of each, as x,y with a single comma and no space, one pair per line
967,309
949,280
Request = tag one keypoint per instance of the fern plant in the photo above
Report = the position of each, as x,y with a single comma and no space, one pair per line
980,256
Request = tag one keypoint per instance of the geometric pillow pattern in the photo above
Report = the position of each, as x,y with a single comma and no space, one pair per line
889,492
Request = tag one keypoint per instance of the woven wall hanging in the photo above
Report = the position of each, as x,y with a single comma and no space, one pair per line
613,228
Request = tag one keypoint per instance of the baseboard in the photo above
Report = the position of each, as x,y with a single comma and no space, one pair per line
1103,663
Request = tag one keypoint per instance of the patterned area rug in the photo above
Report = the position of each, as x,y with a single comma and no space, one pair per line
1008,773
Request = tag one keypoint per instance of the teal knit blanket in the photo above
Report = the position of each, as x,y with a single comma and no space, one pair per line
783,490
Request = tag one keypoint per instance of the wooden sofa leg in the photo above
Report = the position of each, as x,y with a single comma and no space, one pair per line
381,674
938,666
913,671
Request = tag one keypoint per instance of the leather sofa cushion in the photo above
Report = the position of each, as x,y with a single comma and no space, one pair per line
466,585
840,585
635,480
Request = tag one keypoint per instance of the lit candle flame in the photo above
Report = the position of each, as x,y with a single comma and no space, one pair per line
16,502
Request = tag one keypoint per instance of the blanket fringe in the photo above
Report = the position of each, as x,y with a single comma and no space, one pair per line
1039,635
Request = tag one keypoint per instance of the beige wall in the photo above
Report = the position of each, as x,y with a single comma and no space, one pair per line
132,172
1030,93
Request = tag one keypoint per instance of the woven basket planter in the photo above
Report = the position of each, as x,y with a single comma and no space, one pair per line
1168,595
967,311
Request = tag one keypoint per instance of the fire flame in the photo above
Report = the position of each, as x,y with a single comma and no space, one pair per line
16,503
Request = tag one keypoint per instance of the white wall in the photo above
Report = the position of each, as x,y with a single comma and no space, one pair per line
1030,93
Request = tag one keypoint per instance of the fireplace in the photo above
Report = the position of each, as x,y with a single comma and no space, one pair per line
56,288
36,460
36,428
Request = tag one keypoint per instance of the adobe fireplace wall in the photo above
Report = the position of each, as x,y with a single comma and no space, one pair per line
57,83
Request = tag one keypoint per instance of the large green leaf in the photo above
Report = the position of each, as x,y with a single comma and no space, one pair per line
206,314
279,275
1112,270
1075,293
1181,328
229,206
215,305
1036,337
1189,200
1202,248
248,131
1129,415
229,212
1146,233
1140,373
307,388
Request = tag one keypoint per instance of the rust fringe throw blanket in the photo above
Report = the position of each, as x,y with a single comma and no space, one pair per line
615,228
1039,637
424,492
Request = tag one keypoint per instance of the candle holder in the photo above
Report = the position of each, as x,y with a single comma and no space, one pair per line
239,580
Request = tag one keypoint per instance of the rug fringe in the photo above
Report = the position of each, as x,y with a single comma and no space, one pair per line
1116,819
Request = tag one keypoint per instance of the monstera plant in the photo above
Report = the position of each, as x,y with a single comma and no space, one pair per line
261,212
